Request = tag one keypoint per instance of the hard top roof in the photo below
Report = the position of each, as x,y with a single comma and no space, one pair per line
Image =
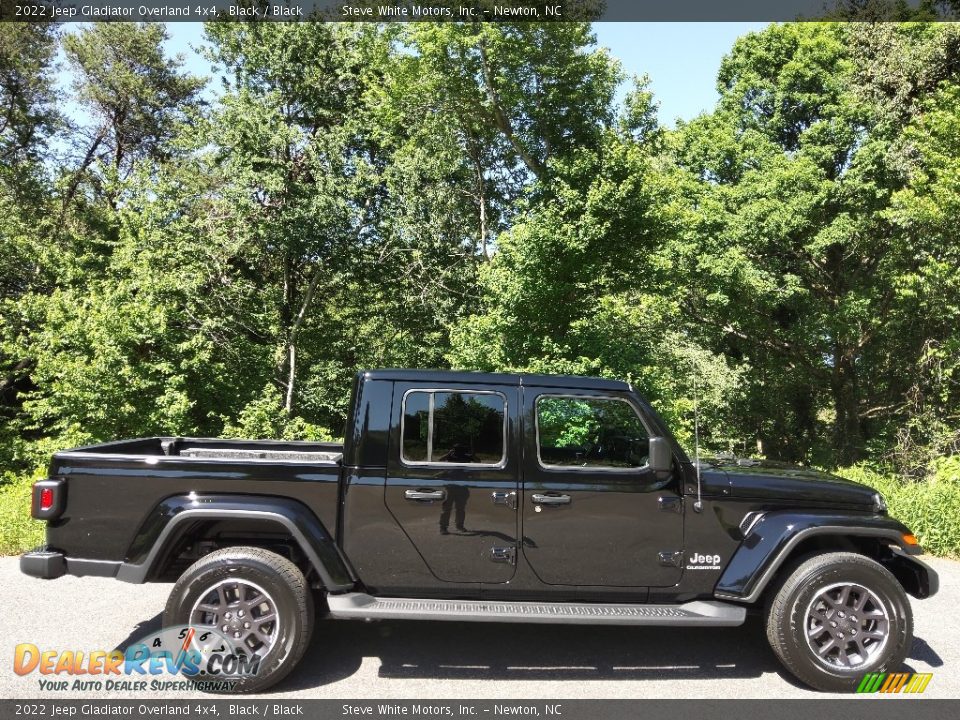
435,377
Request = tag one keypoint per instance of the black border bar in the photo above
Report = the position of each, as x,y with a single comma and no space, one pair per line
472,10
852,708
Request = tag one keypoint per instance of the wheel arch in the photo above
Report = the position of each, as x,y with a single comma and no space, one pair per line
182,519
778,539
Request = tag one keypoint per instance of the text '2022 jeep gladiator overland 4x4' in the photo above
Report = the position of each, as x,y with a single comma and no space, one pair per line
488,497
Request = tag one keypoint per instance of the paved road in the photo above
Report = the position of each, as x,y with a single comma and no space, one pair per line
409,660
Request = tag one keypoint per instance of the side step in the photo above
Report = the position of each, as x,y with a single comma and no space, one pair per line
691,614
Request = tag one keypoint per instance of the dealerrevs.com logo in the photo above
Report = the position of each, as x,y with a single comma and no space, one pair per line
201,658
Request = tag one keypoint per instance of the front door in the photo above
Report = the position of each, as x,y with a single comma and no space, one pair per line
593,512
452,478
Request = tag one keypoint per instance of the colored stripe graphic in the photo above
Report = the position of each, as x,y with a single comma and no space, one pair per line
918,683
871,682
894,682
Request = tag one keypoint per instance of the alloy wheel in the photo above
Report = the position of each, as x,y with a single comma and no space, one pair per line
847,626
241,611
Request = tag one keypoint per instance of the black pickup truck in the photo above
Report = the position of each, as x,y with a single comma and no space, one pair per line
495,498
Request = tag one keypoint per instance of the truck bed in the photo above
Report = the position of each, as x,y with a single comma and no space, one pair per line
317,453
116,489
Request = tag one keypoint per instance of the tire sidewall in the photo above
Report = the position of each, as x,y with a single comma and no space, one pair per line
290,616
879,582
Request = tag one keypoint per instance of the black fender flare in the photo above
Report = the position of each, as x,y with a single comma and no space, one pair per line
175,515
769,539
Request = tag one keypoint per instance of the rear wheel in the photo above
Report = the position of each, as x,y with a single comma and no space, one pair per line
255,599
837,617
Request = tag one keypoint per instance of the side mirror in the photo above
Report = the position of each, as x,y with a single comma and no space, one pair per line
660,457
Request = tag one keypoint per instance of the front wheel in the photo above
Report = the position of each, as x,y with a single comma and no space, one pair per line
837,617
257,601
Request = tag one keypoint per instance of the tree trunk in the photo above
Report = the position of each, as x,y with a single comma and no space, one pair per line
502,122
291,377
75,179
482,201
848,433
15,374
290,354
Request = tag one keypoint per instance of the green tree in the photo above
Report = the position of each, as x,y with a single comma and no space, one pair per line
468,194
303,187
28,119
28,115
927,331
135,97
800,260
586,282
82,326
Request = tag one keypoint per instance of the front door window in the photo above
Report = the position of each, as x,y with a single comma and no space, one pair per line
597,433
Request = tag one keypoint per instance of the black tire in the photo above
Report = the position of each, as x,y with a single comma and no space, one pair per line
809,598
284,585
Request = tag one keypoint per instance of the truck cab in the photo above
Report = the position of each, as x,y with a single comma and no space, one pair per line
496,483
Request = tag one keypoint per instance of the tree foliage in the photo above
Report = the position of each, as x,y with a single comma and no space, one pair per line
474,195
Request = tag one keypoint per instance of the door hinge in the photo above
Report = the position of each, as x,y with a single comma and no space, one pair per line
504,555
669,558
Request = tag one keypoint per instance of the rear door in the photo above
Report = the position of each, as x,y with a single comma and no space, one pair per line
452,478
593,512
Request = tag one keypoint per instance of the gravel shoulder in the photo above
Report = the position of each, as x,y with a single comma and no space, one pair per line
409,660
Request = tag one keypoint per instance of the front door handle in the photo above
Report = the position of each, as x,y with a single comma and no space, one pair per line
550,499
670,503
425,494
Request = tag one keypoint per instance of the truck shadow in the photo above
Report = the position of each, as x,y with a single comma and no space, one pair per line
481,651
923,652
500,651
140,631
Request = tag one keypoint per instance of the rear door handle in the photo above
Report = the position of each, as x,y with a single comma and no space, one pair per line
504,498
425,494
550,499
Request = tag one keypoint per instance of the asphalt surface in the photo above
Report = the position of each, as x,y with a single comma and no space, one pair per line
424,660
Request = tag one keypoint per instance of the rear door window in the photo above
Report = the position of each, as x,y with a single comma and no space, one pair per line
449,427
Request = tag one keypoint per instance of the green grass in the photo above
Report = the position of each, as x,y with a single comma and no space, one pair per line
18,531
930,507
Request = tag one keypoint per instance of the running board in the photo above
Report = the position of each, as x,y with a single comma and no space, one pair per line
691,614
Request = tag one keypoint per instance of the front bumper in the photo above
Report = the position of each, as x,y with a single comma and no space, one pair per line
917,578
51,564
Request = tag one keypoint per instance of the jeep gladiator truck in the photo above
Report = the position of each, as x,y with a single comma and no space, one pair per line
490,498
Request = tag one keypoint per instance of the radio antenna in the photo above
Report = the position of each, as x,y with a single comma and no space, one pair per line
698,505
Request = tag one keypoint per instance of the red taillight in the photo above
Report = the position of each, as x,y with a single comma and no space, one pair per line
48,499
